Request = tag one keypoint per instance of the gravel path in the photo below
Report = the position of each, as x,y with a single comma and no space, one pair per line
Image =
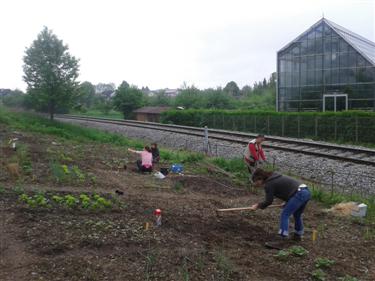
342,176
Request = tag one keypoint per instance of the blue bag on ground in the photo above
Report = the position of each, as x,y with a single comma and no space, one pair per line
177,168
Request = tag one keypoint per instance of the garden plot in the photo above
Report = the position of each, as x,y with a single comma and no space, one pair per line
62,220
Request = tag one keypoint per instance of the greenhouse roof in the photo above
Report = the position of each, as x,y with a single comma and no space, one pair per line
362,45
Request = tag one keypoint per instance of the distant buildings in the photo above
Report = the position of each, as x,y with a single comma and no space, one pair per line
168,92
326,68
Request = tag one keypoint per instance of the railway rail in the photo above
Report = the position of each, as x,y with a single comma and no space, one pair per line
339,152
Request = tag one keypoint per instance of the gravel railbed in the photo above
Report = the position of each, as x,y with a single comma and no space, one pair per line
342,176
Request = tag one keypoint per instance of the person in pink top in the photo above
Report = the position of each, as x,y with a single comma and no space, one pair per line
145,164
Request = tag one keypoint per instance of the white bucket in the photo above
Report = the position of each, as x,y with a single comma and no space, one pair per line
361,211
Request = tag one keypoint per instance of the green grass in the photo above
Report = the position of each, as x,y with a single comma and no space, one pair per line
32,123
329,199
97,113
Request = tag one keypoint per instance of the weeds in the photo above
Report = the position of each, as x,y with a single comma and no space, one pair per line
178,186
185,270
348,278
18,189
67,174
224,265
150,262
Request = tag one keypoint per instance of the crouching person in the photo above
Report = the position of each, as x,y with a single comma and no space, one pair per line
296,196
145,163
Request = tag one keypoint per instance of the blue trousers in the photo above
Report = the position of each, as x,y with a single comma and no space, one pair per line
295,206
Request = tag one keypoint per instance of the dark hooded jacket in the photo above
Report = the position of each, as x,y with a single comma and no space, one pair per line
282,187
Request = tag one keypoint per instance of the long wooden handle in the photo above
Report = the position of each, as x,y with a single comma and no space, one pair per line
245,208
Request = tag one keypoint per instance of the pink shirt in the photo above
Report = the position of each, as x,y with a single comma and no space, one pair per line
146,158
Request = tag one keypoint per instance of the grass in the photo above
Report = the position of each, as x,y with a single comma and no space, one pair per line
32,123
97,113
35,124
329,199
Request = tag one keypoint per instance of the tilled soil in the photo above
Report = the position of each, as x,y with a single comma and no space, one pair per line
193,242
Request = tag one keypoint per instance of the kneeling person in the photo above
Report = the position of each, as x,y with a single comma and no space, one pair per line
145,163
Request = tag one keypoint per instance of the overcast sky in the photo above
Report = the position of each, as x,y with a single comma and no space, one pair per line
164,43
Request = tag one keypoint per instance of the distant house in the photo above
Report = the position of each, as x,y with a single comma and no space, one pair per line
150,113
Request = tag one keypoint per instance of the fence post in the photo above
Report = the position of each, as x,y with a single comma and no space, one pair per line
356,129
335,138
316,126
255,123
205,142
298,125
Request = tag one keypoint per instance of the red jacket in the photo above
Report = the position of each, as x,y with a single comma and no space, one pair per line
254,152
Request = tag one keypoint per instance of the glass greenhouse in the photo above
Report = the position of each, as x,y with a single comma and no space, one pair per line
327,68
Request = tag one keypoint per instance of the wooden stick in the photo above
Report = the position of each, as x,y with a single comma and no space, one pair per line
245,208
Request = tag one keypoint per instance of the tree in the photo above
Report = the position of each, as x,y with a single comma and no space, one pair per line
128,98
232,89
12,98
190,97
50,73
86,94
160,99
218,99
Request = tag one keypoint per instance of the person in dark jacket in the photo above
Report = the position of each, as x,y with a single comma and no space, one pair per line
155,153
294,193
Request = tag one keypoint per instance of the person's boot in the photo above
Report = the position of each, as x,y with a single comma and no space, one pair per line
296,237
278,243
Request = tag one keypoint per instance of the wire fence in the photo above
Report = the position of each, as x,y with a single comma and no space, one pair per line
351,128
346,182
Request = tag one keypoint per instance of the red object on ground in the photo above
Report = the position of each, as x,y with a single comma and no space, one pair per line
157,212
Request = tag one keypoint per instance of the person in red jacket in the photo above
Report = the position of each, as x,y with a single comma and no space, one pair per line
254,154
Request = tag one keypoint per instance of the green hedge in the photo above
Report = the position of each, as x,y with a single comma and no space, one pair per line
348,126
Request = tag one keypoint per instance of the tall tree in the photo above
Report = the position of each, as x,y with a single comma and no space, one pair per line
128,98
50,73
232,89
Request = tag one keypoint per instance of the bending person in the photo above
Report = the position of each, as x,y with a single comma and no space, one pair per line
294,193
254,154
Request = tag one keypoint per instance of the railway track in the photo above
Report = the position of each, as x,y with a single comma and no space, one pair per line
326,150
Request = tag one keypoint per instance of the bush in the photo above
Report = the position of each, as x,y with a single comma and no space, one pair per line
348,126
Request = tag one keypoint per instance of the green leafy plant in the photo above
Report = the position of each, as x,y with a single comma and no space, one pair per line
85,201
2,189
28,200
324,263
70,201
65,168
41,200
298,251
282,255
58,199
319,275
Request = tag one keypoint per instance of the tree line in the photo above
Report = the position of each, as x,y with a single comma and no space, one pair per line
51,74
